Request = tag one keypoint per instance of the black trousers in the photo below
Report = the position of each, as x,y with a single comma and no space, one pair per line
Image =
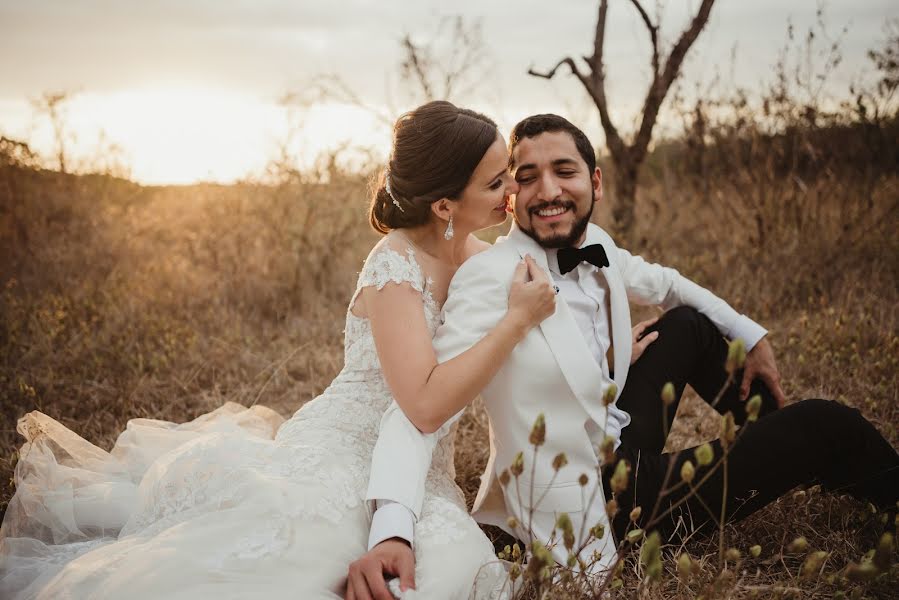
808,442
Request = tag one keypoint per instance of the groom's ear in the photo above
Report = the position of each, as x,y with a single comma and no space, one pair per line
596,180
441,209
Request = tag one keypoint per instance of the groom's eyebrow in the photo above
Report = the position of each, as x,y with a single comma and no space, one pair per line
564,162
559,162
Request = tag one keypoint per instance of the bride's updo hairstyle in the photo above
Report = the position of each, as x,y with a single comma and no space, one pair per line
436,148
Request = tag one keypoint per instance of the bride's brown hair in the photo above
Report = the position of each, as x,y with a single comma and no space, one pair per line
436,148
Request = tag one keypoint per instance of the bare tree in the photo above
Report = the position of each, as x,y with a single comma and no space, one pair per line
448,66
52,104
629,156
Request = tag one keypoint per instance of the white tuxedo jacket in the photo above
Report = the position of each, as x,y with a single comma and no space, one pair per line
550,371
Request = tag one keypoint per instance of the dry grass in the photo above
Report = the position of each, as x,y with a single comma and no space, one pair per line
120,301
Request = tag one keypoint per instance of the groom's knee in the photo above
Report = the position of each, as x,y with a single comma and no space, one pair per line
683,320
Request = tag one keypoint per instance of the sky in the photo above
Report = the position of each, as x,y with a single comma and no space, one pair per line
189,90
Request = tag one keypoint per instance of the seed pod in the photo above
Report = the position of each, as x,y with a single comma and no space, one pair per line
609,395
538,431
755,551
635,514
598,531
864,571
732,555
563,523
736,356
812,565
668,394
559,461
883,553
651,556
512,522
684,566
607,450
504,477
611,508
704,455
798,545
517,467
728,429
753,406
516,552
633,535
583,480
619,477
687,472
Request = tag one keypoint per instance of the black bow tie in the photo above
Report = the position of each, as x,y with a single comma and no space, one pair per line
594,254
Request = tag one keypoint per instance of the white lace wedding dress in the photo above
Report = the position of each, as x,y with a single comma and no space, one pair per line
237,503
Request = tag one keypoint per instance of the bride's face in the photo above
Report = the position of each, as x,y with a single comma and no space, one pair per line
485,200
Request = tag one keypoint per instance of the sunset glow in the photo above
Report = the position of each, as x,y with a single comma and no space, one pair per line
183,135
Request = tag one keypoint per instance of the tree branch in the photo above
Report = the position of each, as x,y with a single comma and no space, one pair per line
653,36
659,89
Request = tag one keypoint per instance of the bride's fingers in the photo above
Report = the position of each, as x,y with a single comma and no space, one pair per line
358,586
534,270
521,273
374,578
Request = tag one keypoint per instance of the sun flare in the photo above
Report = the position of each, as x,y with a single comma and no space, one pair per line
178,135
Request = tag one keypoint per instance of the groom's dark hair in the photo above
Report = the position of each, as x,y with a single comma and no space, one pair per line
537,124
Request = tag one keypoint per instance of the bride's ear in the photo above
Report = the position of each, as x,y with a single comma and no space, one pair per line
442,209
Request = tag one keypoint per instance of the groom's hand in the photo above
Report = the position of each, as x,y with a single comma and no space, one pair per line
365,580
641,341
760,364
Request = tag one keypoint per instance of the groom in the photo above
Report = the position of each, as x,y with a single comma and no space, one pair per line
566,366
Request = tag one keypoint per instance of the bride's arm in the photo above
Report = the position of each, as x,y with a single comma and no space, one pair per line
430,393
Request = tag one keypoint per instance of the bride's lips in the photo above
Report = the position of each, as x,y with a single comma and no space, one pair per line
504,207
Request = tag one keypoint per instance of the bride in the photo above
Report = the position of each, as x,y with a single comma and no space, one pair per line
237,503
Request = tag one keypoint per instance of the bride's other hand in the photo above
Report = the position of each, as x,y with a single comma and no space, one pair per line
532,297
365,580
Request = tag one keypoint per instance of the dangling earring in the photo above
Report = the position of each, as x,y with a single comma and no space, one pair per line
448,234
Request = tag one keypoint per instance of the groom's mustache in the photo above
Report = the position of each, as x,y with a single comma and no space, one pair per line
566,204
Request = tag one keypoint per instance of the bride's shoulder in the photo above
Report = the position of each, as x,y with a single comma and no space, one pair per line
475,245
393,244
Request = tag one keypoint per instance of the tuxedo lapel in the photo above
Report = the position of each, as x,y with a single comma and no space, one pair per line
583,375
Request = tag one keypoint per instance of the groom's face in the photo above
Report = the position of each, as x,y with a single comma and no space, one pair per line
557,190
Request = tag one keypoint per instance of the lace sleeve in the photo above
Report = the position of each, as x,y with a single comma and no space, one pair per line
386,264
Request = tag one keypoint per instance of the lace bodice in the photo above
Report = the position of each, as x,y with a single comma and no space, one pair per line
346,417
384,265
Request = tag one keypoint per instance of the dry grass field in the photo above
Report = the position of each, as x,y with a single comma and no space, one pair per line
120,301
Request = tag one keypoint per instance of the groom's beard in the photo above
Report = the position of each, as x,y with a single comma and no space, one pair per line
558,240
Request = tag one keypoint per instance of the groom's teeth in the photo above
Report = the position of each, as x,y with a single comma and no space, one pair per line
551,212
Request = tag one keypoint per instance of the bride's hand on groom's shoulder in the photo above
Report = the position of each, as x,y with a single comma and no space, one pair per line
366,576
532,297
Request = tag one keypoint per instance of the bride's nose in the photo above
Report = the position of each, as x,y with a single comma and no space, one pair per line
512,186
